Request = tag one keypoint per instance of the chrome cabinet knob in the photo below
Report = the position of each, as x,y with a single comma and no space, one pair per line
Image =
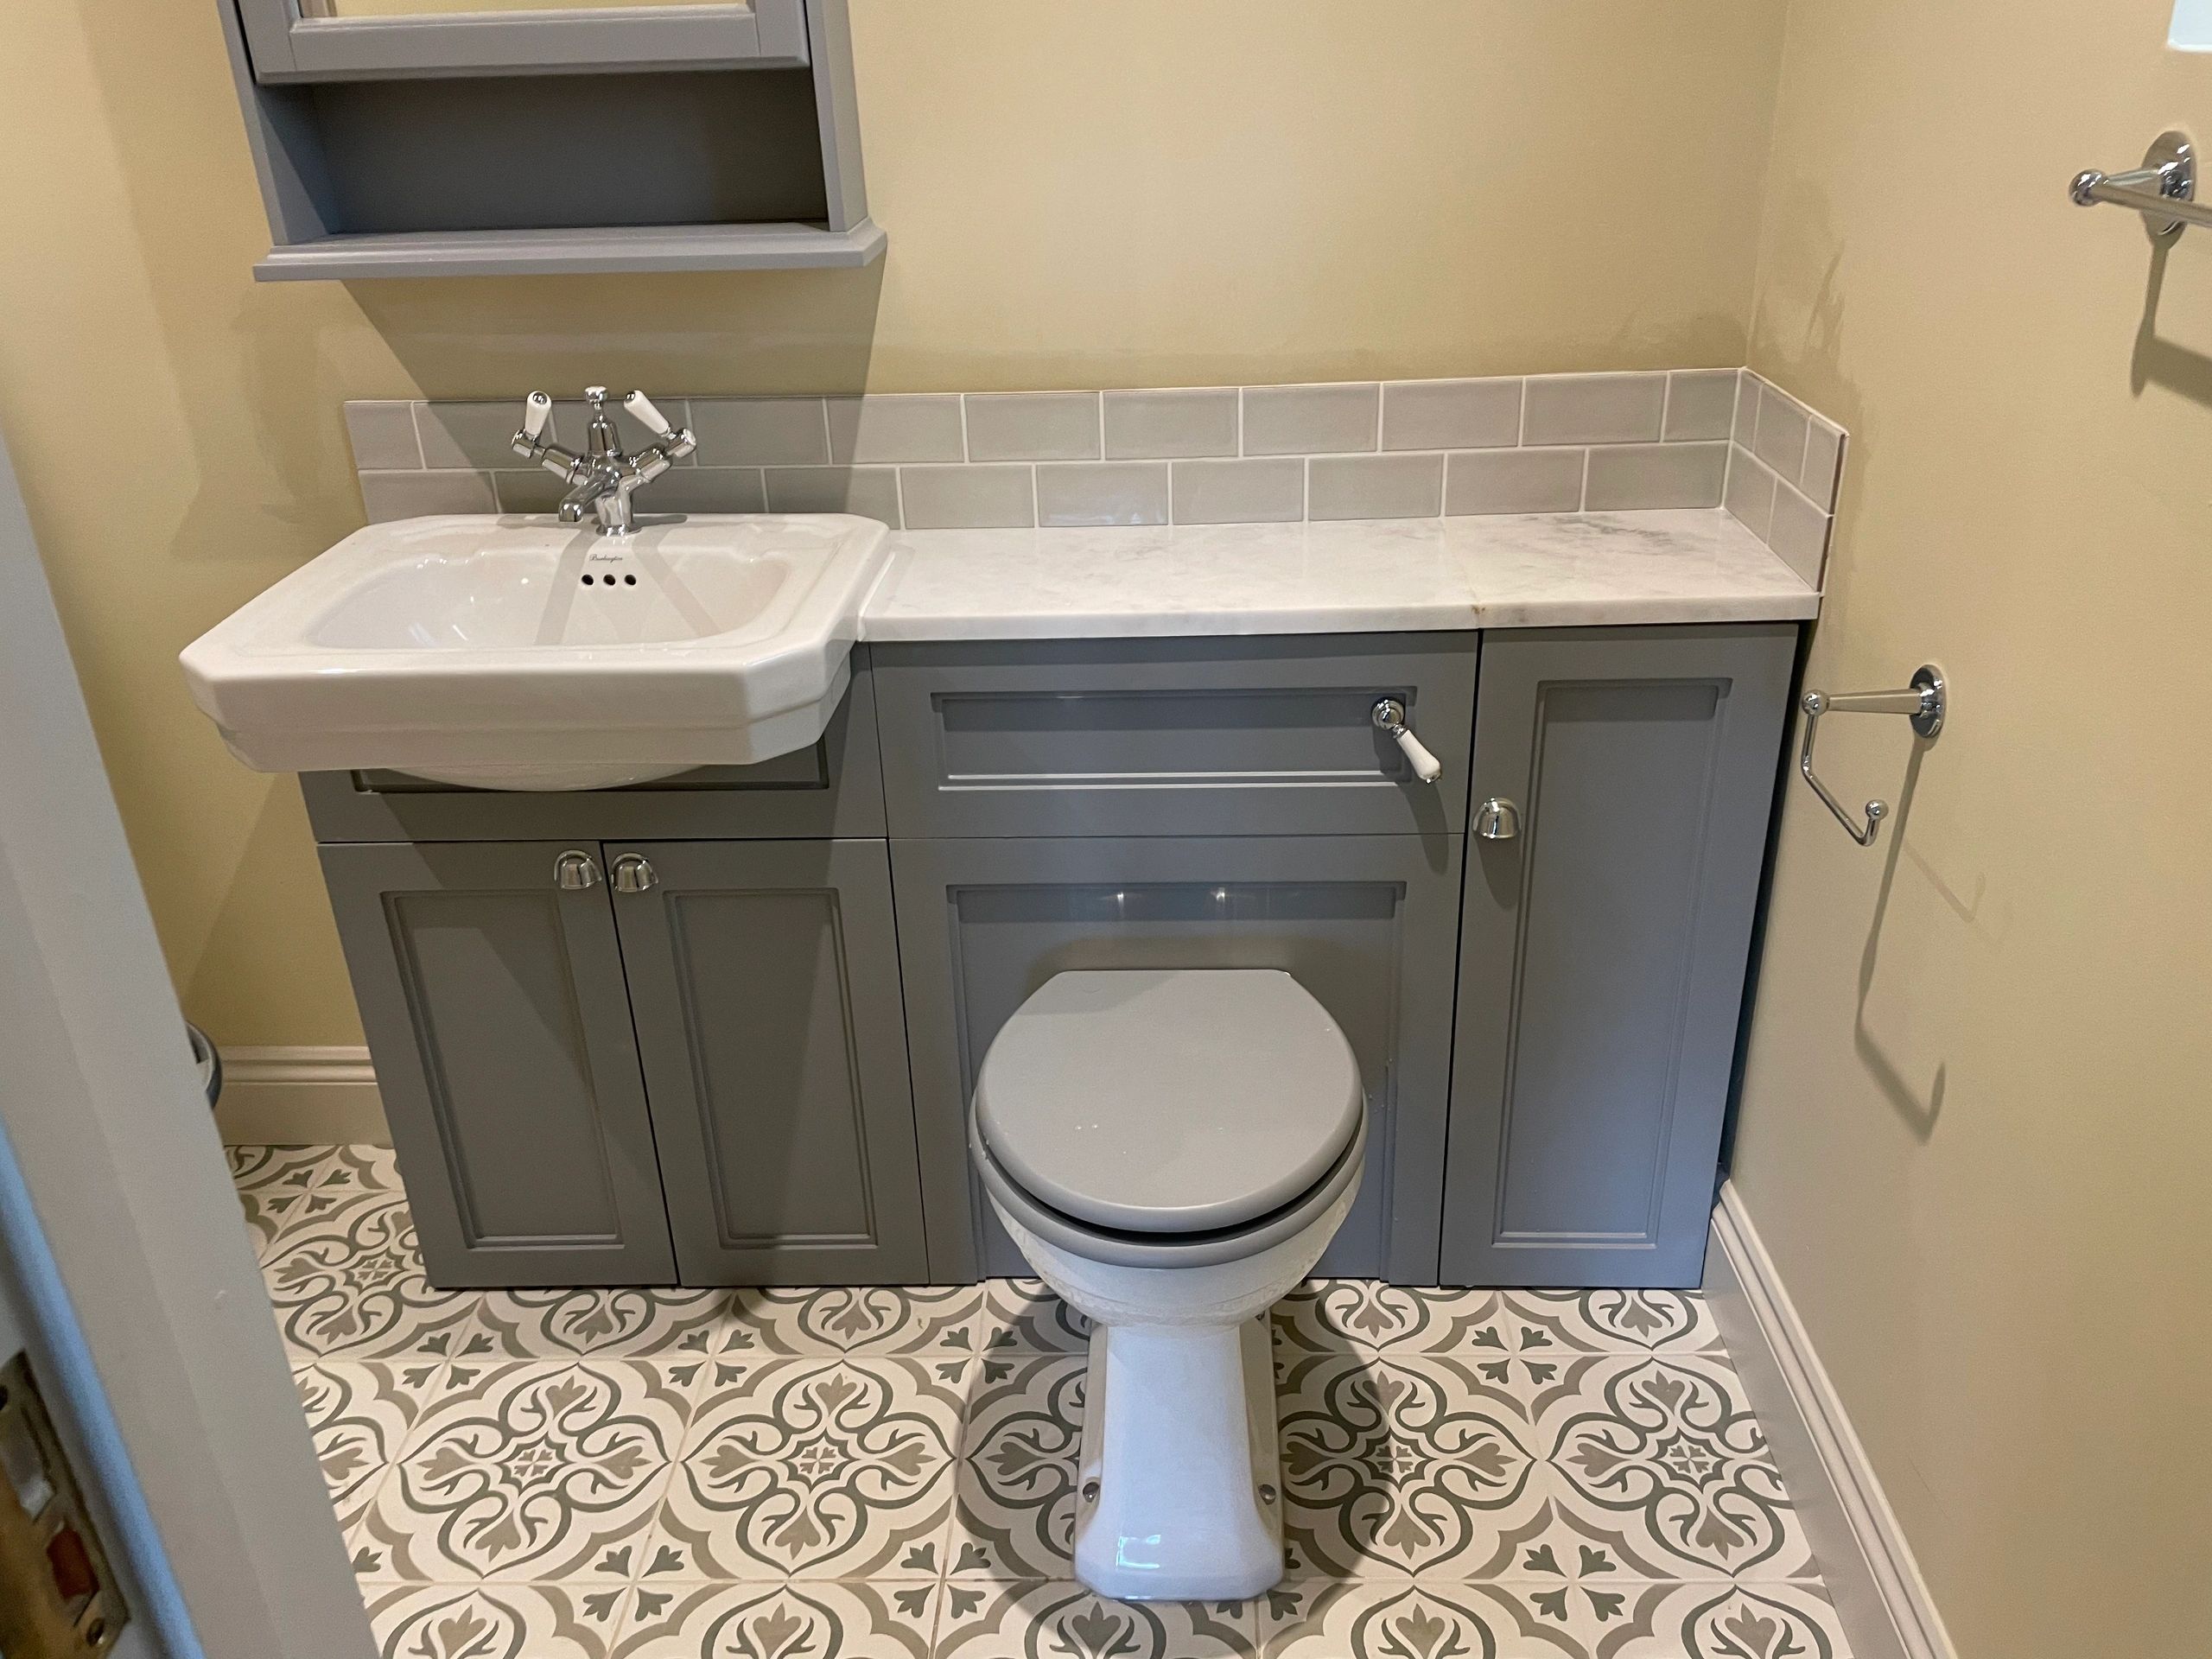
573,872
1497,819
634,874
1390,717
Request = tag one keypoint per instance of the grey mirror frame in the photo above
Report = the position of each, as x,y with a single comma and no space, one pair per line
288,46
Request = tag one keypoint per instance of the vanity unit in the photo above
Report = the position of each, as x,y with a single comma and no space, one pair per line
722,1028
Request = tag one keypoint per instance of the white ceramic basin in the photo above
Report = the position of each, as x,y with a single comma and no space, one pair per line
522,653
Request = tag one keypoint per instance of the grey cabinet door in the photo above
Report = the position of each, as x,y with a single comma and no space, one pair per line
500,1023
764,980
1365,923
1603,957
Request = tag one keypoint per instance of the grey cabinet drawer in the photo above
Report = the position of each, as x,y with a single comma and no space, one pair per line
1365,923
833,789
1173,737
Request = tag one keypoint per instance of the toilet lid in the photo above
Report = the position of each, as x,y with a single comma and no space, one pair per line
1169,1102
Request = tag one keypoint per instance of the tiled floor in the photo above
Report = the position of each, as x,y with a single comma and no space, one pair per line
846,1474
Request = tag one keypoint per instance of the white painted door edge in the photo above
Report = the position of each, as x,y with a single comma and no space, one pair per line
296,1095
1880,1597
104,1110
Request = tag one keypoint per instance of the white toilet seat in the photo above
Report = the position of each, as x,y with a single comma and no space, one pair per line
1168,1251
1173,1102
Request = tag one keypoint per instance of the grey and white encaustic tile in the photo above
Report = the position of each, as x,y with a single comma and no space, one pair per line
891,1472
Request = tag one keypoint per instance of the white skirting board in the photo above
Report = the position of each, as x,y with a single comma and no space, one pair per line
300,1096
1880,1597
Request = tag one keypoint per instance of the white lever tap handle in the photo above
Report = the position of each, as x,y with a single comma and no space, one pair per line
536,410
642,411
1427,766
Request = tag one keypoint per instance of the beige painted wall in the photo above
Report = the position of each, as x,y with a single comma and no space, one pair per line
1978,1123
1150,192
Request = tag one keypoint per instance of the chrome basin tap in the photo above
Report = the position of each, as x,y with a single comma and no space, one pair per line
603,477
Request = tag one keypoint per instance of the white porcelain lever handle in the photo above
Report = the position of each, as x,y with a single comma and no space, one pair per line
1390,716
536,410
1427,766
642,411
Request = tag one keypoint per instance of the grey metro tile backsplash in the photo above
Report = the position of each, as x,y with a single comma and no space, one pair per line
1102,492
1687,438
761,431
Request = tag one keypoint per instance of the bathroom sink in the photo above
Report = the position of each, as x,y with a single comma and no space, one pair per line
522,653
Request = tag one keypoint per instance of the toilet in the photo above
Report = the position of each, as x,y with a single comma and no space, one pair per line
1172,1151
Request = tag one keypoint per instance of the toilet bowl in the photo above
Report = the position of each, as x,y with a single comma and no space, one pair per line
1172,1151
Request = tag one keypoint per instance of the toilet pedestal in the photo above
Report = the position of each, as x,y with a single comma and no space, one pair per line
1180,1493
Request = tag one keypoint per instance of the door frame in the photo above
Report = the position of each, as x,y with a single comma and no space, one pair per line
126,1180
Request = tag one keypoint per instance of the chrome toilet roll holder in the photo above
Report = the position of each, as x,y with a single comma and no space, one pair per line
1924,703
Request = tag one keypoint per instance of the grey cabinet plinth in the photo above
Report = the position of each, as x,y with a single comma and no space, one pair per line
1605,946
764,981
1365,923
498,1020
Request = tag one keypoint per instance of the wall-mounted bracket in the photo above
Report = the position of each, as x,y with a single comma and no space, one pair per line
1924,703
2163,189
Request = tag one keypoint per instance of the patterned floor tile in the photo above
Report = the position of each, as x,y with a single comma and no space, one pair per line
857,1319
363,1171
531,1473
1667,1451
1361,1316
891,1473
1015,1496
1396,1467
1349,1316
1021,1316
349,1284
492,1621
359,1416
811,1620
1063,1620
1615,1321
1522,1619
275,1187
815,1468
611,1323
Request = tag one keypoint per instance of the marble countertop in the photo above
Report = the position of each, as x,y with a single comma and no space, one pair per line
1537,570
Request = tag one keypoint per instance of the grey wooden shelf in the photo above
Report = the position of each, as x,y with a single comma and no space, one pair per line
613,248
713,138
